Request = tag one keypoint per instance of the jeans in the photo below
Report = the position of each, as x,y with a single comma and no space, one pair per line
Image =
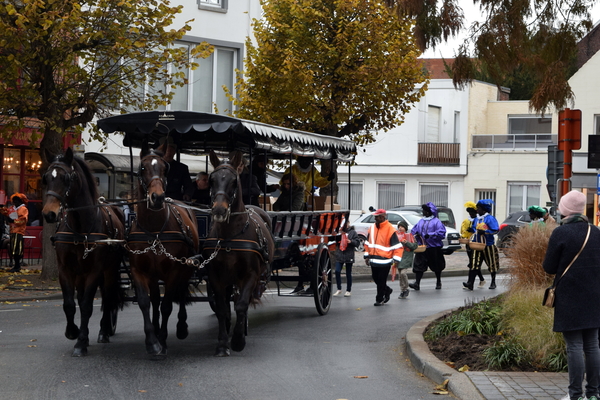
579,343
338,276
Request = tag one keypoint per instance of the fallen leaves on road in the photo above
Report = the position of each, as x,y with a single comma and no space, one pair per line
442,388
361,376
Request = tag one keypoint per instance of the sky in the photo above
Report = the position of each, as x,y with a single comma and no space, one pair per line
472,13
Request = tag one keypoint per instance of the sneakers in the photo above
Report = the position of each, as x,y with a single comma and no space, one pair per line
386,296
403,294
482,283
347,294
468,286
378,303
414,286
337,293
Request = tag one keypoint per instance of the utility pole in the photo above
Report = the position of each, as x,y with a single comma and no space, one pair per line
569,139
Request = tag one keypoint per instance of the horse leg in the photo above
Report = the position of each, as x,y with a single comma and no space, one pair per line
69,308
166,308
155,299
153,347
223,312
85,298
182,326
110,305
238,340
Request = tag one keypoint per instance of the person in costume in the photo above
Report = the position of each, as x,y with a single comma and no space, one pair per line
305,172
536,214
17,216
431,232
485,226
471,209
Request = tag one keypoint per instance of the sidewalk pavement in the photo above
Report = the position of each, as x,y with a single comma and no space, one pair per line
469,385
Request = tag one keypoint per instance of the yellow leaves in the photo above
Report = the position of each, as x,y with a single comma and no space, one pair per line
360,376
464,368
441,388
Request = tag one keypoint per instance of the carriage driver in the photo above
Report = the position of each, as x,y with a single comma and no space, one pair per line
17,215
179,183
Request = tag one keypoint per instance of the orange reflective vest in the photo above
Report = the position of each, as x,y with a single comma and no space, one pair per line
382,245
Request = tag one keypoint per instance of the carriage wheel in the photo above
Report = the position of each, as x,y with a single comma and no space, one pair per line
113,321
322,281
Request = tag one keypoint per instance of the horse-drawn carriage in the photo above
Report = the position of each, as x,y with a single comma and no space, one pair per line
237,249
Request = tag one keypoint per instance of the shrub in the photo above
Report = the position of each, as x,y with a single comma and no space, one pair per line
481,318
527,255
505,353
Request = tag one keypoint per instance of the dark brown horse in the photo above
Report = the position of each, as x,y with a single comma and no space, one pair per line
162,238
240,248
86,257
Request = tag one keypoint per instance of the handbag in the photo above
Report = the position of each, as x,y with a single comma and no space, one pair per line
549,293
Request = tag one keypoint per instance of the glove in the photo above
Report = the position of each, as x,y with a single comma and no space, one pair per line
426,236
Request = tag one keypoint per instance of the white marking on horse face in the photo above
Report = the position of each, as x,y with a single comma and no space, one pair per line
54,173
154,162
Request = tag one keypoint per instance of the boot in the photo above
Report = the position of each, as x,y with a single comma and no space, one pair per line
414,286
471,280
493,285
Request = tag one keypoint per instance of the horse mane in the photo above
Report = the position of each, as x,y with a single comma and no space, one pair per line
90,179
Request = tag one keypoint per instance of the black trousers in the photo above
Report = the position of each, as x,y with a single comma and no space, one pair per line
380,274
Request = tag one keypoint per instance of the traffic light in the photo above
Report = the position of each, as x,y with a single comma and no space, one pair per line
555,169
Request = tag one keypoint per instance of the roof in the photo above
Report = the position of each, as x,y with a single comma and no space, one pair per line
197,133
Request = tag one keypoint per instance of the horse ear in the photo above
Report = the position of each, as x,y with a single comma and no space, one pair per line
214,160
236,159
69,156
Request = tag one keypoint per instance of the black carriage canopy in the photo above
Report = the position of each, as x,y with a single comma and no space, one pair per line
195,133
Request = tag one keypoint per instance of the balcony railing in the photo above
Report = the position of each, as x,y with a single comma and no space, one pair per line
439,153
531,141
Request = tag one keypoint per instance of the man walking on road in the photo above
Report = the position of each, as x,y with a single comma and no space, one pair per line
382,248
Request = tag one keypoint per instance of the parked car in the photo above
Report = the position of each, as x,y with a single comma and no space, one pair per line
364,222
510,226
445,214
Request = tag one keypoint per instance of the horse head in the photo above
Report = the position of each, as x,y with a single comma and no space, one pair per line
153,175
225,187
62,184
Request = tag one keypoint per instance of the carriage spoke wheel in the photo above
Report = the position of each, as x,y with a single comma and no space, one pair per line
322,281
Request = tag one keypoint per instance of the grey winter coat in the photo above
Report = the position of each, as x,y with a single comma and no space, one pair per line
347,256
577,302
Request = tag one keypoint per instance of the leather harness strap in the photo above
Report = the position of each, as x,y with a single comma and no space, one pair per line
233,245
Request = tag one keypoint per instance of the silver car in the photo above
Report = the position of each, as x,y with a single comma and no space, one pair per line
364,222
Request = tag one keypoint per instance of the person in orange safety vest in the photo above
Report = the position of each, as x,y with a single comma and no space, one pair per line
382,249
17,215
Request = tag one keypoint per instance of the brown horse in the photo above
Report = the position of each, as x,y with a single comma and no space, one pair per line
162,238
240,248
86,257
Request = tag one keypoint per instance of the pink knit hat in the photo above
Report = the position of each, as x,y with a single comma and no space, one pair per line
572,203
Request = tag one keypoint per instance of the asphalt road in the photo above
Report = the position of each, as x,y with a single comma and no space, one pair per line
354,352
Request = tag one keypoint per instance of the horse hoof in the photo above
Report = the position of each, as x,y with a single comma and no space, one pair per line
154,349
79,352
72,333
222,352
182,331
102,338
238,342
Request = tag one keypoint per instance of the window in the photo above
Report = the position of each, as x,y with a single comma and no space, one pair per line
204,90
435,193
486,194
213,5
456,126
356,196
525,132
20,173
390,195
597,124
521,195
433,124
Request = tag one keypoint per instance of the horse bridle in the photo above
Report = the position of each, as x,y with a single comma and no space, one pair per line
230,199
70,174
162,179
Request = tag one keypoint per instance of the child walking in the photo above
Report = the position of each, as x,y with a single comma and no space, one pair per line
408,241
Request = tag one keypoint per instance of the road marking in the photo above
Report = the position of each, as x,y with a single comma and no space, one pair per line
11,310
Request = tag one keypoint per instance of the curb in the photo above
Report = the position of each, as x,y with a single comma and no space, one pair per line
433,368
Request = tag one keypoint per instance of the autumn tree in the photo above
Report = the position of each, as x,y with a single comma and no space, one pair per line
534,39
66,62
345,68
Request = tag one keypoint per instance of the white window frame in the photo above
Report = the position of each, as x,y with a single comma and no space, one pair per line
526,186
433,129
597,124
213,5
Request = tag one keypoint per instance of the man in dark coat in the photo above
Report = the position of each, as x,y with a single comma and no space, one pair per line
179,183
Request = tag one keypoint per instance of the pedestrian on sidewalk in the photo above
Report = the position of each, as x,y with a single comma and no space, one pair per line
344,255
382,248
573,256
408,256
431,232
17,216
471,209
485,226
